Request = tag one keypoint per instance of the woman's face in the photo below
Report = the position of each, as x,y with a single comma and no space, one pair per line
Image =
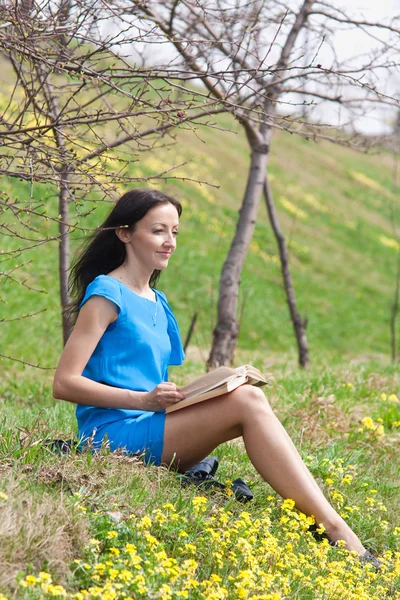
154,238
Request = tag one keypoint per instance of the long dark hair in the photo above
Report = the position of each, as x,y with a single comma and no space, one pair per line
104,251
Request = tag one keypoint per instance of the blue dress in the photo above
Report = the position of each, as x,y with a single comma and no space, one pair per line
134,354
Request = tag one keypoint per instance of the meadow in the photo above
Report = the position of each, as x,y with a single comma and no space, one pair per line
87,527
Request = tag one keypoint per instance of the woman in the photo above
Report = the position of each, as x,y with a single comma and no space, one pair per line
115,365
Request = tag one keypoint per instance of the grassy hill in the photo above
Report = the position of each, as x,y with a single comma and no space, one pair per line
335,207
78,521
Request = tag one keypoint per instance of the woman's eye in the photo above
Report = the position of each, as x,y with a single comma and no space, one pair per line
158,231
175,233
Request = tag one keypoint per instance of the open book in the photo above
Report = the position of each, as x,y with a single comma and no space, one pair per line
218,382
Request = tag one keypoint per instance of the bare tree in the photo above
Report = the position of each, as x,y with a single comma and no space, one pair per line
76,103
395,351
299,324
261,47
242,81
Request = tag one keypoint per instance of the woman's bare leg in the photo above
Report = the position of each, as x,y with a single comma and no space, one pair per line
192,433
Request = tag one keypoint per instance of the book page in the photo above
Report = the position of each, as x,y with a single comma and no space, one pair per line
229,385
208,381
255,377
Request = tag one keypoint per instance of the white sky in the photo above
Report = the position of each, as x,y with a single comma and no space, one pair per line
380,120
374,9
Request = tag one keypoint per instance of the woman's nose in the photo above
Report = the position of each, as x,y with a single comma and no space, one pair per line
171,241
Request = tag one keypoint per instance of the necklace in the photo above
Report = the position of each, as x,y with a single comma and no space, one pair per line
153,317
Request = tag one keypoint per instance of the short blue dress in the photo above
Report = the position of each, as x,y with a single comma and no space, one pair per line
133,353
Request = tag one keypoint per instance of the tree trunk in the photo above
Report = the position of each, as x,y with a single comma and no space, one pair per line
226,331
63,15
394,311
190,332
24,9
396,295
63,205
64,254
299,324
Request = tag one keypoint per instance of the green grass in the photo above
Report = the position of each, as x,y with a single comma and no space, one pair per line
343,268
76,498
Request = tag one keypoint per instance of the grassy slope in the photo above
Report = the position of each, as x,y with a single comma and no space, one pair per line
76,499
343,272
343,275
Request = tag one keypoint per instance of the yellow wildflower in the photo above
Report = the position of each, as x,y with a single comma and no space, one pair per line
337,496
112,534
125,575
152,541
368,423
57,590
30,580
183,533
112,573
199,500
347,479
288,504
199,504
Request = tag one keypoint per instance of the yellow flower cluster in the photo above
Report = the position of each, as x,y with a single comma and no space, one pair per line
199,504
207,552
291,208
45,584
375,430
391,398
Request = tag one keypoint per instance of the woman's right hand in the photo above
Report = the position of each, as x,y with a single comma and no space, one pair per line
164,395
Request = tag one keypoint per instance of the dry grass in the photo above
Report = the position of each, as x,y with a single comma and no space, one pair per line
38,530
43,525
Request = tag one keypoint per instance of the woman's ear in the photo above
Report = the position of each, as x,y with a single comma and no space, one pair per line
124,234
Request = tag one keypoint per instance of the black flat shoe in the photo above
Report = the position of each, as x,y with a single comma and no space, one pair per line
201,475
241,490
208,466
367,557
61,446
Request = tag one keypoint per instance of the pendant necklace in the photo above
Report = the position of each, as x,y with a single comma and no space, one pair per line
153,317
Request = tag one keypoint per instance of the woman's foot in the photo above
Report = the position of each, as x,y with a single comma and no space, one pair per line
339,530
367,557
364,555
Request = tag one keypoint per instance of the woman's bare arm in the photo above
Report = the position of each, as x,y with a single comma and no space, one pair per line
69,384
